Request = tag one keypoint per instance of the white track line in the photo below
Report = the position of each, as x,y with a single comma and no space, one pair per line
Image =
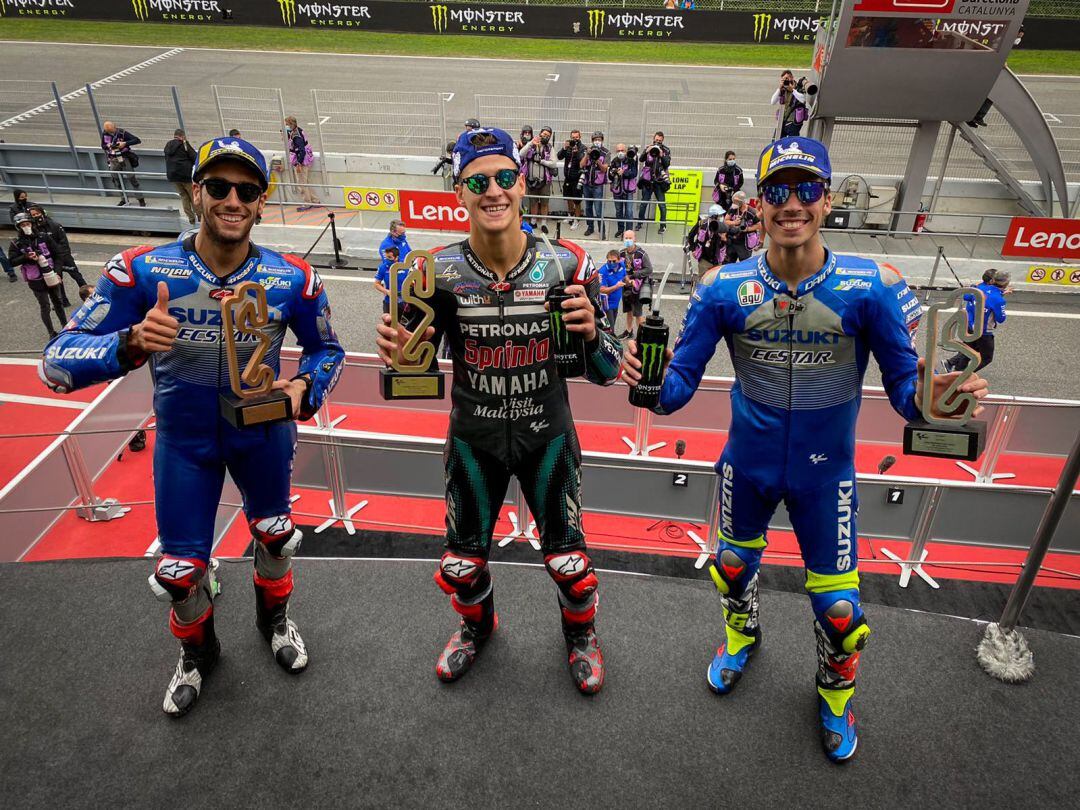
50,105
23,399
18,361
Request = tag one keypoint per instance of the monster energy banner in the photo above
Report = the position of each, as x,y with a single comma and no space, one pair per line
769,27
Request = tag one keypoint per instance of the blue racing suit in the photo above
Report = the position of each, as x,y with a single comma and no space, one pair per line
799,362
195,445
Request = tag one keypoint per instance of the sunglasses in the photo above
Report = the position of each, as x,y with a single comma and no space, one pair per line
219,189
808,192
504,179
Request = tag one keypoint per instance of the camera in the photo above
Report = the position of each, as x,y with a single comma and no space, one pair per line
594,154
654,151
714,225
631,153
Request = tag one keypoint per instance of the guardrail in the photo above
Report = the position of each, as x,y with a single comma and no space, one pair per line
349,463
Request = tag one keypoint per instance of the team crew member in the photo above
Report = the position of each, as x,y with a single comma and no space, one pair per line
800,322
511,413
638,272
612,281
162,305
995,286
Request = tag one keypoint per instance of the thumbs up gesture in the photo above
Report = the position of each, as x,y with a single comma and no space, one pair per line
157,331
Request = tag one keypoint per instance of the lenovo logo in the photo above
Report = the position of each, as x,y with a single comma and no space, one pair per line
1043,238
433,210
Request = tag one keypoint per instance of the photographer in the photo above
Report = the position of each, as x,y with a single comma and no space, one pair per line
728,180
594,167
792,100
445,165
34,253
63,259
707,240
571,155
623,174
117,143
638,273
539,168
179,162
654,179
743,229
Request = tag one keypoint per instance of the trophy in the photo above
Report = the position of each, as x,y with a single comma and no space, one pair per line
244,317
414,372
952,435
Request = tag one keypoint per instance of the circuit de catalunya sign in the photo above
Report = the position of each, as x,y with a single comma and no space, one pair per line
1042,238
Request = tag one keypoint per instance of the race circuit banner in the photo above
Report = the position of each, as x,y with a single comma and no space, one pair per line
497,20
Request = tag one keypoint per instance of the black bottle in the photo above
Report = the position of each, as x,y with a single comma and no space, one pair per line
652,341
568,347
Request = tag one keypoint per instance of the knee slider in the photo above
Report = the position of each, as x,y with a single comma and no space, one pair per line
732,572
573,573
840,617
459,574
176,579
277,534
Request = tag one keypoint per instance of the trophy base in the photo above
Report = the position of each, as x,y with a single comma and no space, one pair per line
960,442
244,412
424,385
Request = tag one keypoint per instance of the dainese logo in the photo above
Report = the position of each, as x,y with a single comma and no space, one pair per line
440,16
288,11
596,22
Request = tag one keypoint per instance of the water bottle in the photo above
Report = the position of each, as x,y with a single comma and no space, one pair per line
568,347
652,341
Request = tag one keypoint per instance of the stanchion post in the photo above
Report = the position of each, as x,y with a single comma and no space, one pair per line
338,261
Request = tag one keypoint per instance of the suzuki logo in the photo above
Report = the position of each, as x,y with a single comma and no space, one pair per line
288,11
596,22
761,26
439,17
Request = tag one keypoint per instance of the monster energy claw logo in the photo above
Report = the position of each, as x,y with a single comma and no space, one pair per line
761,26
141,8
651,357
558,330
439,17
288,11
596,22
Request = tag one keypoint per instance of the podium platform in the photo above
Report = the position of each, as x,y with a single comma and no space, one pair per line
86,657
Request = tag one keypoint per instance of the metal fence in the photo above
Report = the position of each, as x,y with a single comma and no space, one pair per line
561,113
258,112
380,121
699,132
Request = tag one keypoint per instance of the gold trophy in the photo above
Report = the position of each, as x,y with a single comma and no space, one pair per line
414,372
954,435
244,315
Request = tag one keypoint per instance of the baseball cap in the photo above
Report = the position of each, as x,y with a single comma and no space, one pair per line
794,153
232,149
1001,278
480,143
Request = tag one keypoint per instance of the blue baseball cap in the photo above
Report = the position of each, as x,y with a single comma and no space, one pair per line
480,143
794,153
232,149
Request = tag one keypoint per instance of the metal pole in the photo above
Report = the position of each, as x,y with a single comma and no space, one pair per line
944,167
288,167
1043,535
337,244
67,130
322,145
217,103
179,112
93,106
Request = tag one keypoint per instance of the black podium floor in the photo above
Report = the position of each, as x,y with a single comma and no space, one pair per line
86,657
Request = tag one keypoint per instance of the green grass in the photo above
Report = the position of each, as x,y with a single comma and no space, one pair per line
300,39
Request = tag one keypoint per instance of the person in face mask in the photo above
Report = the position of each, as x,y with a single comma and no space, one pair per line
655,181
65,261
728,180
35,254
624,181
20,205
595,167
539,166
638,273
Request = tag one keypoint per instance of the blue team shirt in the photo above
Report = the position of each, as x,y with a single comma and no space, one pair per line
383,275
995,308
612,274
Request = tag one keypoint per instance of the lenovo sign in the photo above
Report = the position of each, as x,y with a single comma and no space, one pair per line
433,210
1043,238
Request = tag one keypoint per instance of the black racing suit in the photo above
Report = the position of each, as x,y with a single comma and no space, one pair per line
511,415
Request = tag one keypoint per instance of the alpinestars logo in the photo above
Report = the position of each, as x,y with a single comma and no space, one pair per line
596,22
440,15
288,11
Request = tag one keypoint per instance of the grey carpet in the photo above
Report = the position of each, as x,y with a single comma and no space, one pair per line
86,658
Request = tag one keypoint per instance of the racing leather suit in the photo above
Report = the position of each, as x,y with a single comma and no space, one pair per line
511,416
195,445
799,363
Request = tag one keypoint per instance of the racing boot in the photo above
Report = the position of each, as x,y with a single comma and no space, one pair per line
743,638
584,656
478,622
199,651
272,619
836,687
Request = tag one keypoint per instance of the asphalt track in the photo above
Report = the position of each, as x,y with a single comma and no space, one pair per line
1036,349
743,123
